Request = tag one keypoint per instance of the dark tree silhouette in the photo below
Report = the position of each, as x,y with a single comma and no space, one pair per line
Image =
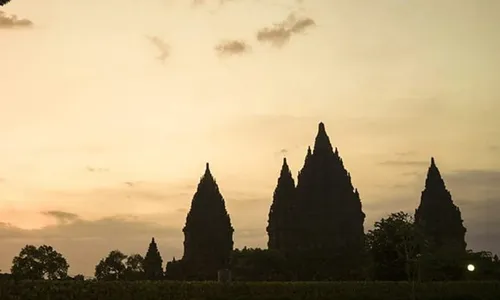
39,263
112,267
281,218
134,267
441,222
79,277
257,264
394,246
208,234
153,263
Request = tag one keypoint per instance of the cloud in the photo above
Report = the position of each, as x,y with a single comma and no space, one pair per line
97,170
406,159
402,163
280,33
141,191
61,216
161,45
12,21
232,47
494,148
277,36
301,24
473,179
10,231
406,153
477,193
197,2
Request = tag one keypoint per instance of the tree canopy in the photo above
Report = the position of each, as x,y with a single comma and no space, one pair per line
118,266
393,244
39,263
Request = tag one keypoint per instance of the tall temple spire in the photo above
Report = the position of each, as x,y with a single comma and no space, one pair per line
307,164
207,171
208,233
281,210
321,127
434,179
284,168
325,202
322,142
207,181
439,219
153,263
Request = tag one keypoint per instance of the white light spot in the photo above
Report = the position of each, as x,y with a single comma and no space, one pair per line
471,267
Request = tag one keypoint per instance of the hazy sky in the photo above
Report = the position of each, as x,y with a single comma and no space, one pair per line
86,106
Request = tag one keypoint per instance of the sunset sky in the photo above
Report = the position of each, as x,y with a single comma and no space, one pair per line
102,144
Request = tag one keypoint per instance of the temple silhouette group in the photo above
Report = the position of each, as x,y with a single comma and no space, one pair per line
317,223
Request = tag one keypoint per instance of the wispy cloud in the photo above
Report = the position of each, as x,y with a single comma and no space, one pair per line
494,148
12,21
197,2
475,179
161,45
301,25
280,33
126,197
62,217
408,163
232,47
97,170
406,153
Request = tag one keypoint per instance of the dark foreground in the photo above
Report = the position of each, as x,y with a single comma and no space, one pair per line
137,290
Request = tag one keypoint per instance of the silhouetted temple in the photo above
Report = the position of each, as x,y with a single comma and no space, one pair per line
440,220
153,263
327,218
208,234
281,217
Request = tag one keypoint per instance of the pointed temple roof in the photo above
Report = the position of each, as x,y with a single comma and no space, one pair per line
207,199
207,171
152,246
286,179
207,181
322,142
434,179
285,170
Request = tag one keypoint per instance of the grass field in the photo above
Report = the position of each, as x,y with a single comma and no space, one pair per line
163,290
